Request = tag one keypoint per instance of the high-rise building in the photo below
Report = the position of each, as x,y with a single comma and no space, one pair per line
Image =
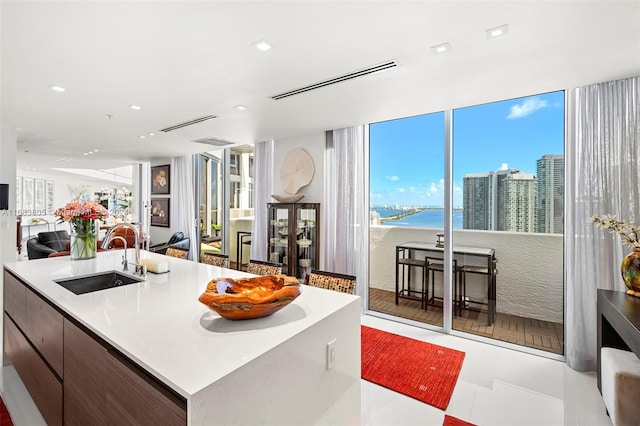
475,205
517,207
550,205
501,200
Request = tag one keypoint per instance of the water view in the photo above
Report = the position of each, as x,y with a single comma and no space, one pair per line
428,218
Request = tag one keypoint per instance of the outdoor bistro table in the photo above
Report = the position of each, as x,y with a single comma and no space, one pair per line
406,257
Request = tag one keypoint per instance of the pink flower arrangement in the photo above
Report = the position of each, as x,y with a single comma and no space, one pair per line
82,215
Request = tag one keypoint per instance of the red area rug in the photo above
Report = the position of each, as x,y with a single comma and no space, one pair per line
5,419
411,367
454,421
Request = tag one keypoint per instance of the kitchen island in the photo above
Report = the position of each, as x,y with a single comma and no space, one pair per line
270,370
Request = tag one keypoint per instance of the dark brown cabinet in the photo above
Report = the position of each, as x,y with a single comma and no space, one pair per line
293,236
75,377
15,294
44,330
43,385
85,370
101,387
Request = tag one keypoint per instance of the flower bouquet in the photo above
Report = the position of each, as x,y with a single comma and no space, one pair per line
630,266
82,219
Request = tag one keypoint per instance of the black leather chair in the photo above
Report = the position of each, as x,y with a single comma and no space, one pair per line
177,240
47,243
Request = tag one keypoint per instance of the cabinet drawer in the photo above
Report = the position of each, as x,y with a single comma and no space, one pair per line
44,329
85,372
14,299
43,386
133,398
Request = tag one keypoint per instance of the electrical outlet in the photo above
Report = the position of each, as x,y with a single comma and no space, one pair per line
331,353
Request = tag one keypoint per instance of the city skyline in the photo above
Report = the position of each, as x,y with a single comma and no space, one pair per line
407,155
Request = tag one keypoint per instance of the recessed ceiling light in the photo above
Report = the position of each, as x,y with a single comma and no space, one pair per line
497,31
142,136
136,107
262,45
86,153
240,107
96,150
151,134
57,88
441,48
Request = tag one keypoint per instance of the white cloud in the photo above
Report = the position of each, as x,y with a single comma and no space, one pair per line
412,189
505,166
433,189
529,106
393,178
400,189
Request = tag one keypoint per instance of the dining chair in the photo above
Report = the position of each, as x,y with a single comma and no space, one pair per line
176,252
331,281
216,259
261,267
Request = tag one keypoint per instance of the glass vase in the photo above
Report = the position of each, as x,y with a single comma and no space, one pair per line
630,269
84,241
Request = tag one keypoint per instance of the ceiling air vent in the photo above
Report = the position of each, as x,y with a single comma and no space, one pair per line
351,75
213,141
188,123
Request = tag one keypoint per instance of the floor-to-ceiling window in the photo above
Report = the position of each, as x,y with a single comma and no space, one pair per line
507,215
225,200
406,169
210,196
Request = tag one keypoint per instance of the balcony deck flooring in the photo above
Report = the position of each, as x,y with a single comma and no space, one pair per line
533,333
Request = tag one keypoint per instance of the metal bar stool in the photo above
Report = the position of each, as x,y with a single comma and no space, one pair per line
433,265
404,265
490,271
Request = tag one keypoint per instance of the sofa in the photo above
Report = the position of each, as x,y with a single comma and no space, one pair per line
46,243
177,240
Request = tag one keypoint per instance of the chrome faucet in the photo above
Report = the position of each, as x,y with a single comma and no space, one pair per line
124,257
140,270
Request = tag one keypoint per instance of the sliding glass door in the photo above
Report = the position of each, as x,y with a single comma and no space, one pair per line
508,159
505,238
407,210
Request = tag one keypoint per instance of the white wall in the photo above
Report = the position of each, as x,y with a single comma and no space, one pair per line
8,143
314,144
62,195
530,280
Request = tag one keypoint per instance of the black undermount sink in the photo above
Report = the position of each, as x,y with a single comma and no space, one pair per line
96,282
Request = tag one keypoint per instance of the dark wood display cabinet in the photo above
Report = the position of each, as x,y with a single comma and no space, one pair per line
293,237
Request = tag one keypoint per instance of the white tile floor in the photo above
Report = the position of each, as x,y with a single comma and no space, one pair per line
496,387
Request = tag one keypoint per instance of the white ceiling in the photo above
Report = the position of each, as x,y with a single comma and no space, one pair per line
182,60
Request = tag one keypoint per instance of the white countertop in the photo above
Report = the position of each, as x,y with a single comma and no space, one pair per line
160,324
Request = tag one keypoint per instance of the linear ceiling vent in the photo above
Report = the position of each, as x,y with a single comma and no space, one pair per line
62,160
352,75
188,123
213,141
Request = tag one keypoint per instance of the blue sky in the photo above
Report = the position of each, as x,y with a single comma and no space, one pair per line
407,155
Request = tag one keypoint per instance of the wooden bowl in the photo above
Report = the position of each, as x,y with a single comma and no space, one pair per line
247,298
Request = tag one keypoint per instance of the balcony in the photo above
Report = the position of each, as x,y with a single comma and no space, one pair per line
529,287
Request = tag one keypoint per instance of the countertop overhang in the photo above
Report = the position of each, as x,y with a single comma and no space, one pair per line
160,324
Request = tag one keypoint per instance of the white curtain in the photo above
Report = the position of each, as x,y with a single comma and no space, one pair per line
603,177
183,215
262,184
142,198
344,214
